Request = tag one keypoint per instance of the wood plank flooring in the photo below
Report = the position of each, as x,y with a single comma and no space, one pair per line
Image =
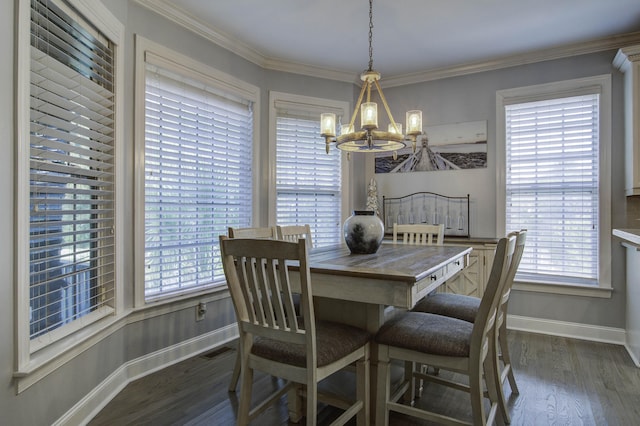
562,382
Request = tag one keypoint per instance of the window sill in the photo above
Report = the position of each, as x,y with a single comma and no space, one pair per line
566,289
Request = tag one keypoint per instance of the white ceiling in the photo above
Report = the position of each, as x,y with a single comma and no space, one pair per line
409,36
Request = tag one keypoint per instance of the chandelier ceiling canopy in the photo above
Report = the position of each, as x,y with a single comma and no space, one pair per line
370,138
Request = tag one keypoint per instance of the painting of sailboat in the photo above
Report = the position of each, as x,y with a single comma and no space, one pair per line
441,147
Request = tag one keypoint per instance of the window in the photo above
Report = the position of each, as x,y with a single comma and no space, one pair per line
556,181
68,129
309,184
71,215
198,179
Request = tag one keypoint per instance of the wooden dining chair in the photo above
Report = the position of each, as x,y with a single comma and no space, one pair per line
268,232
448,344
419,233
301,350
466,308
294,233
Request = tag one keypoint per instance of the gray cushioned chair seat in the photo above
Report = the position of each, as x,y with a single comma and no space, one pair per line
333,341
450,305
428,333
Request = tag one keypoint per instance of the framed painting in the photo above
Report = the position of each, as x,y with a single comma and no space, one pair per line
441,147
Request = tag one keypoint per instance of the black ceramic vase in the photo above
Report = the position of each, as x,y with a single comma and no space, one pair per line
363,232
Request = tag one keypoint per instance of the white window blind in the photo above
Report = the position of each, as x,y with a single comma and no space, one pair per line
71,169
198,179
308,181
552,186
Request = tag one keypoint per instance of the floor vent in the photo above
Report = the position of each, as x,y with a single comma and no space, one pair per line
217,352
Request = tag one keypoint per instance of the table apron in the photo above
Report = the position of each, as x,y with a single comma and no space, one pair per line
373,290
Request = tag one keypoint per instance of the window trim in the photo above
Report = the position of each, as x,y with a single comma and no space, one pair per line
601,84
305,103
34,358
189,67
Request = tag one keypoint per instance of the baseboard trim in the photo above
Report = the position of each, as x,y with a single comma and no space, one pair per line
633,356
82,412
574,330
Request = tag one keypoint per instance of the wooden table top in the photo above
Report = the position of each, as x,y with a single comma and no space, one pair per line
397,262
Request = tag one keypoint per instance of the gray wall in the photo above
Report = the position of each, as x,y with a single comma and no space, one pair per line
51,397
473,98
468,98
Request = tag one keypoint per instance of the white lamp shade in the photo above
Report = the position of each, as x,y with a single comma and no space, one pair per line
392,128
414,122
328,124
369,115
346,129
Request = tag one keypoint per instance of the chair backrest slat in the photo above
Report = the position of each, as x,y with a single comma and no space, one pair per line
419,234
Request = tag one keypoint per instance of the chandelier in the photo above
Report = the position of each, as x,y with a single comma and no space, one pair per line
370,138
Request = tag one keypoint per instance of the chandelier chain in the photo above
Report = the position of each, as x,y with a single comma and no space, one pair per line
370,35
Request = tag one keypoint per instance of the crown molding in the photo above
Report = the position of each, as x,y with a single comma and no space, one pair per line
625,56
594,46
171,12
312,71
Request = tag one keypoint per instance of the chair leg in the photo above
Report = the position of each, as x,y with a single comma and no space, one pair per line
383,387
477,395
245,397
506,358
410,395
493,380
235,376
362,390
312,403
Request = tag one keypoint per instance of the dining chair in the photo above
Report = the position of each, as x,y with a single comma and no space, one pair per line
295,232
301,350
466,308
419,233
448,344
268,232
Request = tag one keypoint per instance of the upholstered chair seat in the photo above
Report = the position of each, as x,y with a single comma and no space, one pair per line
334,341
451,305
428,333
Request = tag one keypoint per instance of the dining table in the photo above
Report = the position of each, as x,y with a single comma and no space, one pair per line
365,290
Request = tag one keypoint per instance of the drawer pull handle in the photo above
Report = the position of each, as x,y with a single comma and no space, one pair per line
458,262
433,277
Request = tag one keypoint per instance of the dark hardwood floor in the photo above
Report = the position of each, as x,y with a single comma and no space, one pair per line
562,382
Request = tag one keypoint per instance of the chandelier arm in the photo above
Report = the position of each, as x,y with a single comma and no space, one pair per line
386,107
358,103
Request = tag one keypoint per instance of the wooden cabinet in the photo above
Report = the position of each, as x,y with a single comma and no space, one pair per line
471,281
628,61
631,240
